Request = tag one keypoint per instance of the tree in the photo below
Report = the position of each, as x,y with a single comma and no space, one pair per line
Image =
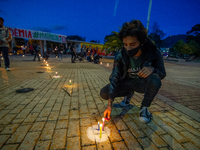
189,48
195,48
112,42
95,41
194,34
157,35
178,46
76,37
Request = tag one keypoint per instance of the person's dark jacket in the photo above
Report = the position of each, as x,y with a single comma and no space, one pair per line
151,57
61,48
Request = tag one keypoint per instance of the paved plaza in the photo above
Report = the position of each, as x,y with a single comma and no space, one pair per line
57,115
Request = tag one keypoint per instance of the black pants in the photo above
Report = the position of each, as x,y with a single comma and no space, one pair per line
4,50
149,86
36,55
73,57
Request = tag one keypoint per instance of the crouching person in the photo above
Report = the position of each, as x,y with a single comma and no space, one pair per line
138,67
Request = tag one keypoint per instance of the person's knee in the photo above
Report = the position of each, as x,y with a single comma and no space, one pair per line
103,94
154,80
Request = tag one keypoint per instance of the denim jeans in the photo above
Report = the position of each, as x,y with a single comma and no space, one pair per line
4,50
73,57
36,55
149,86
60,56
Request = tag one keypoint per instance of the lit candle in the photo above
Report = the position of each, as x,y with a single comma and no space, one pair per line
100,130
49,68
98,126
107,64
44,60
103,124
47,65
56,73
101,63
70,82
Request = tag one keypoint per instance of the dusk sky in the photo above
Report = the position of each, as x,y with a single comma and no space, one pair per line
95,19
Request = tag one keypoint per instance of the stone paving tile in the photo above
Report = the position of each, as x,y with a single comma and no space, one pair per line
19,134
3,139
30,141
37,126
42,145
130,140
9,129
73,128
93,147
191,138
73,143
59,139
190,146
119,146
48,130
10,146
47,118
171,142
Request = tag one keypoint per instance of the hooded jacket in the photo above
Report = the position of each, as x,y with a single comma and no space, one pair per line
5,36
151,58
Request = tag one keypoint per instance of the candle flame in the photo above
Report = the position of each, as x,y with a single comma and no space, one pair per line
100,125
103,119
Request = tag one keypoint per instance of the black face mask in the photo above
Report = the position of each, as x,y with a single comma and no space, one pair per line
133,52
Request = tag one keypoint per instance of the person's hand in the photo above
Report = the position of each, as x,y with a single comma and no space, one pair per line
145,72
107,112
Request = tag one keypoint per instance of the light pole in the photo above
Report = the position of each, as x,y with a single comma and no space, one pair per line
149,13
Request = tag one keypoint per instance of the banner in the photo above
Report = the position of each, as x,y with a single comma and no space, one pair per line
37,35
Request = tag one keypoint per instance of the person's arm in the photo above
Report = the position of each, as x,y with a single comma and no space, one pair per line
7,38
155,66
158,65
74,50
114,79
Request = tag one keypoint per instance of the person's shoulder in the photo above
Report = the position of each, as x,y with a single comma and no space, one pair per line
4,28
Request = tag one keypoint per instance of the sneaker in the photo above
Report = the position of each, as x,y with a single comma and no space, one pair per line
126,100
7,68
145,115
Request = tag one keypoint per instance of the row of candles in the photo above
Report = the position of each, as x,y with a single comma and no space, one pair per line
106,64
101,127
70,81
48,66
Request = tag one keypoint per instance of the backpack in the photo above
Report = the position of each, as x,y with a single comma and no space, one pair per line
37,48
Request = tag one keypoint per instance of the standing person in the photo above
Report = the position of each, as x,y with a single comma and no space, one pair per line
61,48
24,49
56,51
31,49
73,52
5,38
36,49
138,67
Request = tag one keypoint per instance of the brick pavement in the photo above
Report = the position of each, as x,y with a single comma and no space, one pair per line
48,118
